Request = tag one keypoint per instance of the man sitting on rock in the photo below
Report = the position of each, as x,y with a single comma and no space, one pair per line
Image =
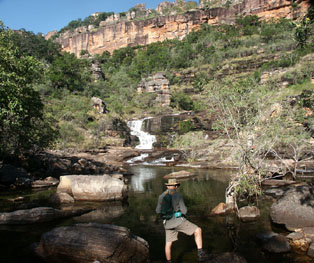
175,221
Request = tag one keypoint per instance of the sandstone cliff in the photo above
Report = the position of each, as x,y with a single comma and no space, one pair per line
117,34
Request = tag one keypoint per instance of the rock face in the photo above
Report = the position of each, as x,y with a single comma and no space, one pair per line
36,215
85,243
120,33
92,188
158,84
295,209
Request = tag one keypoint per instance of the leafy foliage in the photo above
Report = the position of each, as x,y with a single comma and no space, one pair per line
36,45
67,71
22,124
181,101
90,20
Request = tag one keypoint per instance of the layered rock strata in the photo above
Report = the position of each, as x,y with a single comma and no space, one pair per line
117,34
158,84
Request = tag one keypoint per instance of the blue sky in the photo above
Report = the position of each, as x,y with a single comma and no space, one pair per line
42,16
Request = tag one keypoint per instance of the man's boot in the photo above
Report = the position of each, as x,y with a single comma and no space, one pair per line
202,255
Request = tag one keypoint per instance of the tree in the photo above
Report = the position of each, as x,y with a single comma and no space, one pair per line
260,126
67,71
36,45
22,126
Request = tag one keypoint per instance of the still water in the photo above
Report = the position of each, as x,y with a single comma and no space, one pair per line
201,194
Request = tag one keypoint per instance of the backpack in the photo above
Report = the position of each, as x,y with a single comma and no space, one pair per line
167,210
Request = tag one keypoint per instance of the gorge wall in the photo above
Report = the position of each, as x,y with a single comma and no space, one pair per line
113,35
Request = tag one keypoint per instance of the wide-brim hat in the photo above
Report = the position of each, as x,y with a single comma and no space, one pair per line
172,182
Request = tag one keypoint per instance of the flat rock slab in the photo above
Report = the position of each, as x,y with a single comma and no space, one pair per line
179,175
92,188
37,215
86,243
47,182
295,209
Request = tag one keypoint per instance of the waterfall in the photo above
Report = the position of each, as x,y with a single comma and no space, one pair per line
146,139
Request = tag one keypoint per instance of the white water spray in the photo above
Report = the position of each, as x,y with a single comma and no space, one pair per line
146,139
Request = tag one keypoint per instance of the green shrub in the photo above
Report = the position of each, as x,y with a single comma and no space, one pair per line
181,101
185,126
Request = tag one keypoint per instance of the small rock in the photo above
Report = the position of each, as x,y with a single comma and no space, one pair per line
274,192
61,198
83,163
179,175
295,236
249,213
220,209
47,182
266,236
17,199
277,244
117,176
310,251
308,232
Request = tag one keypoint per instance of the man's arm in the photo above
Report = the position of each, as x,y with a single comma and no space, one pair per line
183,208
158,208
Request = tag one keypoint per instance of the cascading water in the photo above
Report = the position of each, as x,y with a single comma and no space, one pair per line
146,139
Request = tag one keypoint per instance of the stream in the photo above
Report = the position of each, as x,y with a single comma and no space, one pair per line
201,193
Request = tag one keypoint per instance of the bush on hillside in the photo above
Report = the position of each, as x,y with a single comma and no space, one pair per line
181,101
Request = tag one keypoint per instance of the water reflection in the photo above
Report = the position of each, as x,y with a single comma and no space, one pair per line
102,215
141,176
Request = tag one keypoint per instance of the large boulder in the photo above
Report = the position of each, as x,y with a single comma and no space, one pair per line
37,215
92,188
295,209
86,243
